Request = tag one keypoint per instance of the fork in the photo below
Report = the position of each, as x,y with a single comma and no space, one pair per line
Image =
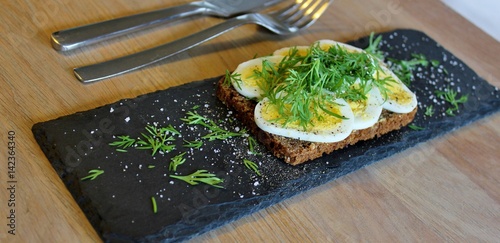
288,20
69,39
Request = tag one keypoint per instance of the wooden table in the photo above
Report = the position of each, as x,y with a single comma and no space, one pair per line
447,189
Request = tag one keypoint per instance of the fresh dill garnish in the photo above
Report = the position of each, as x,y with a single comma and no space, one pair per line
157,139
373,47
251,145
252,166
216,132
415,127
200,176
232,78
302,85
123,144
155,206
93,174
450,96
193,144
176,161
429,110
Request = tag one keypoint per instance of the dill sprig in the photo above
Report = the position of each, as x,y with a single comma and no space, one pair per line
169,130
155,206
157,139
123,144
193,144
429,110
93,174
193,118
373,47
216,132
252,143
415,127
252,166
176,161
450,96
232,78
200,176
404,68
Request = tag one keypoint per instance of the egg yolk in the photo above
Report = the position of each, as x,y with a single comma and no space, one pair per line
396,91
399,95
358,107
321,121
247,75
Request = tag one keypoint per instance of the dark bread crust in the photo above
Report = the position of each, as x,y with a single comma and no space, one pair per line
295,151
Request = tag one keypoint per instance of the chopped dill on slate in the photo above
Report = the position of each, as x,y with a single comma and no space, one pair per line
155,206
157,139
123,144
93,174
429,110
193,144
451,96
252,143
415,127
404,68
176,161
216,132
202,176
252,166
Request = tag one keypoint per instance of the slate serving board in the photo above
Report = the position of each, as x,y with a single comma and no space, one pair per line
118,202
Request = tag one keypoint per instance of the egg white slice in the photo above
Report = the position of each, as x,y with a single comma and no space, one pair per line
367,112
326,44
285,51
248,86
327,130
400,99
323,44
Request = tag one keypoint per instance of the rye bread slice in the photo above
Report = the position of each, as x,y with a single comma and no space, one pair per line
294,151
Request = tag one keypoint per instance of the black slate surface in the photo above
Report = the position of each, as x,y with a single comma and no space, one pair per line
118,203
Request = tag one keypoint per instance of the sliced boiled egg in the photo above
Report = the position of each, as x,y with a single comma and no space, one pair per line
367,112
323,44
394,96
400,99
326,129
326,44
249,84
301,51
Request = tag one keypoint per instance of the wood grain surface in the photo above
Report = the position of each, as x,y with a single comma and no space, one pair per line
446,189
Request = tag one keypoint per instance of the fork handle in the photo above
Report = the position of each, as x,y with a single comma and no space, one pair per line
138,60
73,38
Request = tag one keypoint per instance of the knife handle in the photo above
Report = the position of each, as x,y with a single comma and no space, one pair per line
69,39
